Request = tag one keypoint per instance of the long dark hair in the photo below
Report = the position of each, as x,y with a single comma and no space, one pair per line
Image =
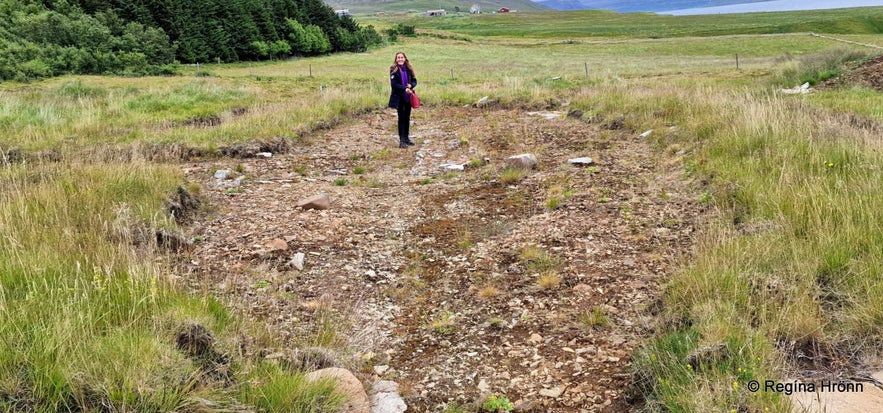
395,66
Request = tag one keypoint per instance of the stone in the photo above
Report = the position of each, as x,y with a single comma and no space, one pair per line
297,261
451,167
798,90
553,392
222,173
522,161
348,385
277,244
582,161
852,396
525,406
319,201
386,398
582,289
483,386
548,115
385,386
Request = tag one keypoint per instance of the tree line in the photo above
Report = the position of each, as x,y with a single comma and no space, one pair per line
43,38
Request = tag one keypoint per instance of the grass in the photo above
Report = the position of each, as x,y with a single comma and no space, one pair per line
488,292
557,25
792,255
549,280
537,260
595,318
444,322
287,392
792,258
94,321
509,176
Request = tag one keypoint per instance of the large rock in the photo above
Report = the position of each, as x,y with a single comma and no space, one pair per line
837,396
319,201
523,161
348,385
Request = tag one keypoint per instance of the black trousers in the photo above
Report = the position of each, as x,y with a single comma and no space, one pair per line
404,111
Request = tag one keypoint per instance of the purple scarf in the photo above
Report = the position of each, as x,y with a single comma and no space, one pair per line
404,72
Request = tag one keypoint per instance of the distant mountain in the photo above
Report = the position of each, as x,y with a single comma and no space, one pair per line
630,6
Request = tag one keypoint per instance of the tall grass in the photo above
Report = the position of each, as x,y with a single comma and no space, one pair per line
87,320
816,68
792,262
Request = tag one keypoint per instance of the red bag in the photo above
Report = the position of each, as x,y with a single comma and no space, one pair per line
415,101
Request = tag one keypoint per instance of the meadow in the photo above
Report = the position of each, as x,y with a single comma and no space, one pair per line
788,261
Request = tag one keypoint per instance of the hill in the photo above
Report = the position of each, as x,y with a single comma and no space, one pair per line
638,5
393,6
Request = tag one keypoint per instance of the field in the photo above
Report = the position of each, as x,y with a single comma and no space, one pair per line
738,240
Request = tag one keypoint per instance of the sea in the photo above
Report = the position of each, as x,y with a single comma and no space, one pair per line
776,5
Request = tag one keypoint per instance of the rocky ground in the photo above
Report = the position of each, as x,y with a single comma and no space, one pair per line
455,284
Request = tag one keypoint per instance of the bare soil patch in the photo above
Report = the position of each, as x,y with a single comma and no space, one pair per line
869,74
433,275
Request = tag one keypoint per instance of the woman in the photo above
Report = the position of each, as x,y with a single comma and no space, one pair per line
403,81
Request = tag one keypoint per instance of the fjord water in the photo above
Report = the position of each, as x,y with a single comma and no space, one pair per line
776,5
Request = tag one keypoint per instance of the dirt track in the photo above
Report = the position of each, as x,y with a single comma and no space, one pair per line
433,275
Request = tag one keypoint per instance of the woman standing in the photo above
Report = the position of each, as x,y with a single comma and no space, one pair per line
403,81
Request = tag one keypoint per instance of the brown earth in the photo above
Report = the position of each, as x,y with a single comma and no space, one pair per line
869,74
432,277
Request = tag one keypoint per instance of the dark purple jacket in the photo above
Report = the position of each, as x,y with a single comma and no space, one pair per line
398,89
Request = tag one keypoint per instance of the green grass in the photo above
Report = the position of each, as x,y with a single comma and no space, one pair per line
595,23
79,307
284,391
87,321
794,257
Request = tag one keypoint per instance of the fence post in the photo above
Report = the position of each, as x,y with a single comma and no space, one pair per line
311,70
452,74
587,69
737,61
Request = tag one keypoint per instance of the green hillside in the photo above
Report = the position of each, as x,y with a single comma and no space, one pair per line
593,23
451,6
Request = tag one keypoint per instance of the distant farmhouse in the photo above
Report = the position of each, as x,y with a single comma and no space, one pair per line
475,9
342,12
439,12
